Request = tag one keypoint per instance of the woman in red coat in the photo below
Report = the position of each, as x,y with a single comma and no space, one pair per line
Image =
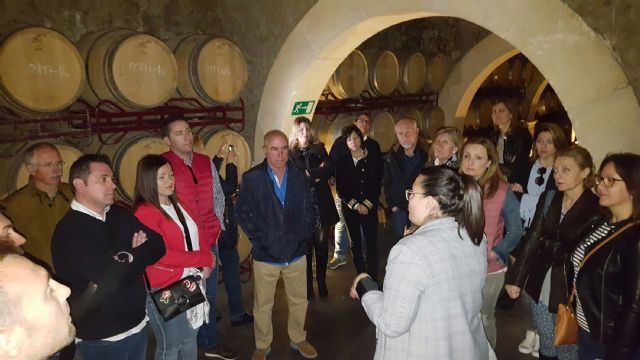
156,207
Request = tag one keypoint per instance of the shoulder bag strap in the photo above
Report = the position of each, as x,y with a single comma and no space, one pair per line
601,244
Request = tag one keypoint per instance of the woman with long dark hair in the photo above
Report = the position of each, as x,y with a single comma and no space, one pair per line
156,206
604,267
561,215
502,224
512,139
312,158
429,306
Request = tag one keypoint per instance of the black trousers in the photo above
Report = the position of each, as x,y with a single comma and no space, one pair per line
319,245
369,225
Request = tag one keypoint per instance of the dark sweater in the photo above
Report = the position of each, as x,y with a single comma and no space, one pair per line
83,248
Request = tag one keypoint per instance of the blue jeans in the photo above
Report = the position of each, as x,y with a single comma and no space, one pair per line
231,271
133,347
340,234
175,339
208,334
399,221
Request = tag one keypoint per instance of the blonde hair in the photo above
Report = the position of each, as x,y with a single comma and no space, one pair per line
293,137
454,135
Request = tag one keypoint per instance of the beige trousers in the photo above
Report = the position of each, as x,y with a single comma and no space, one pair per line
265,278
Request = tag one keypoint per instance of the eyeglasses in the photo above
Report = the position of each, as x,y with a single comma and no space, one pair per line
51,164
606,181
408,194
540,179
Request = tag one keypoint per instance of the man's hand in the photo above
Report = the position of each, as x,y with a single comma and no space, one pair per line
138,239
353,293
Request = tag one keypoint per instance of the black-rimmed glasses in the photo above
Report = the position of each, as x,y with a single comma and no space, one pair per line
606,181
540,179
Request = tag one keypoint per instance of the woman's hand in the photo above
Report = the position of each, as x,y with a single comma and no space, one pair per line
206,272
353,293
363,210
513,291
517,187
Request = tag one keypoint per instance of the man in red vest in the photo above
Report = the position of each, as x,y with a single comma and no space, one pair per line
194,175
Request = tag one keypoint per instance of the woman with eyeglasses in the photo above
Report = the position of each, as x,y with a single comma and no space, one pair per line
156,206
561,215
429,306
604,267
480,161
358,189
312,158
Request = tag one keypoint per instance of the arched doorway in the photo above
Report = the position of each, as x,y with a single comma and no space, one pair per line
583,70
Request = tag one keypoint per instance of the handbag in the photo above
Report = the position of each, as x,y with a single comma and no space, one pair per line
183,294
566,323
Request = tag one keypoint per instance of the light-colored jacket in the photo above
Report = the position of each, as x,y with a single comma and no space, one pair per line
430,304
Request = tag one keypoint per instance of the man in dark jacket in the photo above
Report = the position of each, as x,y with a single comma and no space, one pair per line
275,208
101,251
401,167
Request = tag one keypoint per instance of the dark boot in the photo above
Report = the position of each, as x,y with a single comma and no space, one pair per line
310,293
322,258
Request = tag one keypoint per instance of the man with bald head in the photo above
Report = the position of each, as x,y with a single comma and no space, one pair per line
34,314
45,198
401,167
275,209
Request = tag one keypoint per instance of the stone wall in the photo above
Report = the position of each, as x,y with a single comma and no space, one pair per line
260,28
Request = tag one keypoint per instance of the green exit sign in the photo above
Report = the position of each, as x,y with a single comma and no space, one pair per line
302,107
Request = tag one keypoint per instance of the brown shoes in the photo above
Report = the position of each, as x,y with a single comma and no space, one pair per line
305,349
260,354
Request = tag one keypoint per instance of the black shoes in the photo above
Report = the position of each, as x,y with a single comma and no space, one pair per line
244,319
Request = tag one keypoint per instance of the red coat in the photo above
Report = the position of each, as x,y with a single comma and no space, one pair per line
171,266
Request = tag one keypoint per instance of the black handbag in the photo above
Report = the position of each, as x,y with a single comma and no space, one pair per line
183,294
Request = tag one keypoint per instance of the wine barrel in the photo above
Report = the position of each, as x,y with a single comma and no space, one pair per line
213,140
125,156
500,75
40,70
437,70
133,69
413,72
384,71
328,131
17,176
211,70
484,114
516,73
382,123
351,77
433,120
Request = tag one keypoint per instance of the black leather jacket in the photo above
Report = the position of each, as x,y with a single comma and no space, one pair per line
608,286
547,244
517,146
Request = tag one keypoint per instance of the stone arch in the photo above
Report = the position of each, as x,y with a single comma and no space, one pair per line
556,40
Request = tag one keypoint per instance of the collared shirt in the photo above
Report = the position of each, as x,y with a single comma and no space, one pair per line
280,189
411,162
35,215
75,205
83,209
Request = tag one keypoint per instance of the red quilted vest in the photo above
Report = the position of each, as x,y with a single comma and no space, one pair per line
197,197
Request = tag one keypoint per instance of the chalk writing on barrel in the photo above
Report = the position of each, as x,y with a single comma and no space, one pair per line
48,70
218,69
148,68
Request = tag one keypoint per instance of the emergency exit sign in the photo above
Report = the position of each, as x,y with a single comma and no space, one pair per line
302,107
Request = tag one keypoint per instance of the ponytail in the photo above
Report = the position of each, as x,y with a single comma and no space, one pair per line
458,196
471,218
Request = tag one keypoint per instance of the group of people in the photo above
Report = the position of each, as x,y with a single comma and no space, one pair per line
484,215
472,219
